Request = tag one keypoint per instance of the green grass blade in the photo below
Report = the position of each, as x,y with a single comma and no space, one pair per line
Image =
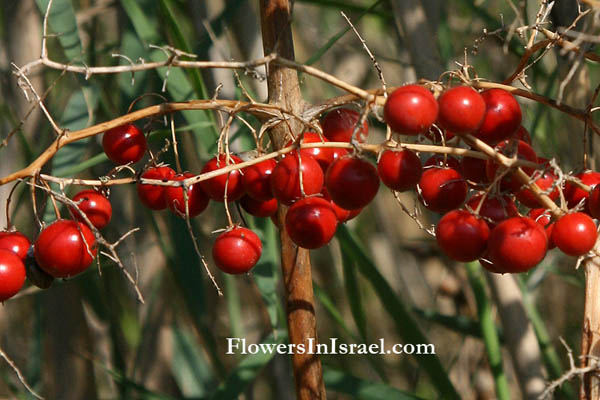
189,367
358,388
353,294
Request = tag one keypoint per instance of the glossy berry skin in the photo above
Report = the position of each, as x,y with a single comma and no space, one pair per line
311,222
462,236
15,242
544,182
215,187
436,136
124,144
352,182
594,202
256,180
237,250
509,148
259,208
399,170
502,116
494,209
442,189
197,199
574,234
342,214
442,161
574,195
95,206
473,169
153,196
461,110
323,155
12,274
543,217
339,124
285,179
60,249
410,110
517,245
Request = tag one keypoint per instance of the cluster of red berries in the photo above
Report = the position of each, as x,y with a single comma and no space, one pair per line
490,227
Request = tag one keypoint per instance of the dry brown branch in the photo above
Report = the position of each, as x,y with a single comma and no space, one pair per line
14,367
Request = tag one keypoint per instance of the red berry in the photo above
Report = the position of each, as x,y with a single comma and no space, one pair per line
237,250
494,209
461,110
215,187
473,169
311,222
502,116
342,214
12,274
442,189
259,208
574,234
594,202
574,195
323,155
95,206
285,179
410,110
124,144
153,196
197,199
256,179
522,134
544,182
435,135
339,124
61,250
352,182
517,245
399,170
462,236
543,217
15,242
443,161
509,148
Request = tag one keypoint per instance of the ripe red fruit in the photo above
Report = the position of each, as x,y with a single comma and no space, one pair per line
342,214
462,236
256,180
12,274
323,155
285,179
215,187
594,202
352,182
435,135
237,250
543,217
410,110
153,196
311,222
339,124
442,189
259,208
509,148
61,250
95,206
461,110
399,170
574,234
473,169
517,245
502,116
574,195
522,134
16,242
494,209
441,160
124,144
544,182
197,199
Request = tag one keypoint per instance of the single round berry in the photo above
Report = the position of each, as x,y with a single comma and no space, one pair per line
95,206
399,170
462,236
338,126
502,116
285,179
543,217
259,208
461,110
494,209
410,110
124,144
12,274
256,180
442,161
237,250
65,248
544,182
574,234
575,195
215,187
153,196
442,189
323,155
517,244
352,182
15,242
311,222
197,199
473,169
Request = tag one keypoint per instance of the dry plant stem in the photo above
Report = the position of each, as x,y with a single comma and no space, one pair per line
590,335
284,91
14,367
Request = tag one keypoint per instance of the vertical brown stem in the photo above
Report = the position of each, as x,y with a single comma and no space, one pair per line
590,335
284,90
